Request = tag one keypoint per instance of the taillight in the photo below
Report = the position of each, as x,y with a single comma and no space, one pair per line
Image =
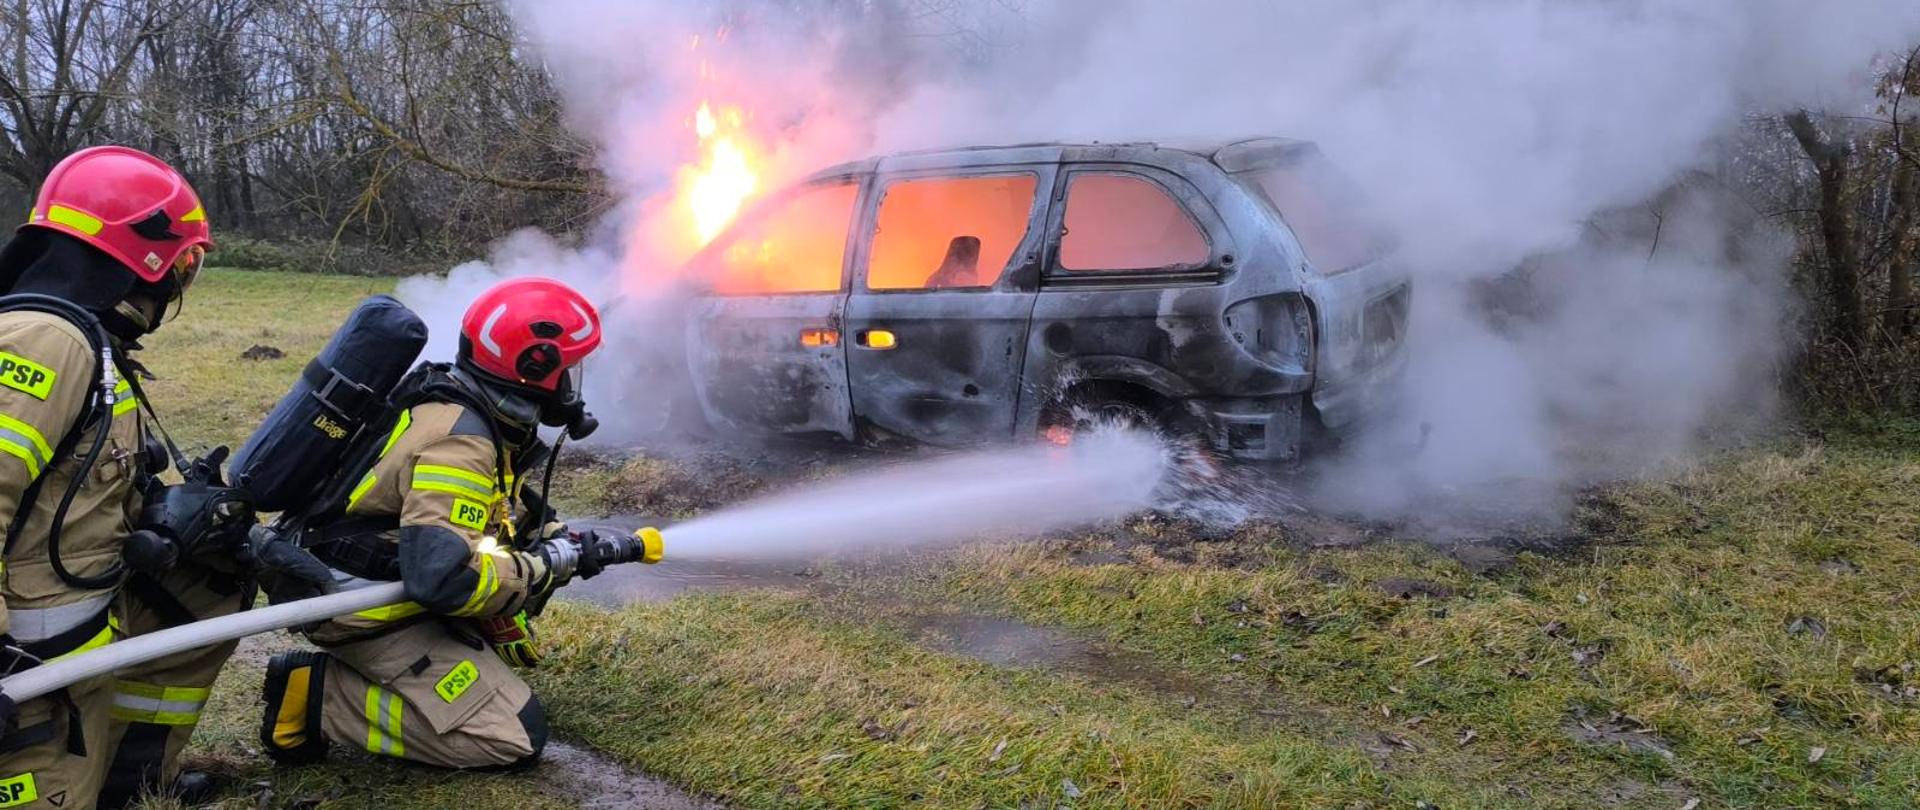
1276,329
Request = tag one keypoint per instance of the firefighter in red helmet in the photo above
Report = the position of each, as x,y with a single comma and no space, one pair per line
443,509
115,237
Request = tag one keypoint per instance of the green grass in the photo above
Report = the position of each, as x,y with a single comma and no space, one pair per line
206,393
1684,622
1724,625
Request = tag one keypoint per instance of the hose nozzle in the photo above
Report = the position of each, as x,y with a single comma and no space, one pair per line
653,547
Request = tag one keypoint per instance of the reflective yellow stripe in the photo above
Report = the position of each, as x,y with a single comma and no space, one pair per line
198,214
123,398
100,639
137,702
455,472
439,486
76,219
383,722
489,585
394,706
399,428
361,489
23,441
31,433
158,692
365,486
438,478
374,737
12,448
391,613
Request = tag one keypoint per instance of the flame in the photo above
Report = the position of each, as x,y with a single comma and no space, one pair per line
725,177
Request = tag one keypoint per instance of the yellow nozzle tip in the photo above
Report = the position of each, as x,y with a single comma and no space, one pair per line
652,546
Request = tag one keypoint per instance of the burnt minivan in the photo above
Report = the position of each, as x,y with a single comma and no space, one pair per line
991,294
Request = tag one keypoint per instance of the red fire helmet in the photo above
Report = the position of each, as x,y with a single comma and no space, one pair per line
529,330
129,204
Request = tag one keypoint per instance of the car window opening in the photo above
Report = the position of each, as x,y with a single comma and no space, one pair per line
1118,223
797,246
949,232
1325,211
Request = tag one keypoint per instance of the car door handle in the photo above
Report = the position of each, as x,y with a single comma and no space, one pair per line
818,338
877,339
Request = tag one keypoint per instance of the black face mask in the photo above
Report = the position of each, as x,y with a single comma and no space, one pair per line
563,407
524,404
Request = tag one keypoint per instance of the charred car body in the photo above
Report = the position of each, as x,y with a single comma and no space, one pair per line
992,294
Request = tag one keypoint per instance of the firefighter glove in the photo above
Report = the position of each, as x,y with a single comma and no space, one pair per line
512,639
562,555
286,571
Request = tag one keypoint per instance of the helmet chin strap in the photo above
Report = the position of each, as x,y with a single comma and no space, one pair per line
135,317
525,411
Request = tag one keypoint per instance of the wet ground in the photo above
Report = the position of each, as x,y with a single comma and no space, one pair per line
599,783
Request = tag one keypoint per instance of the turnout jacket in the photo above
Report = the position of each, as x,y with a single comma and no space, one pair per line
46,373
455,500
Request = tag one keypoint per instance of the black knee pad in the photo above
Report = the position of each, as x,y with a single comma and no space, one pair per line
533,718
313,747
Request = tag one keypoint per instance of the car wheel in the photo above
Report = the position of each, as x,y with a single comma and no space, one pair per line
1097,408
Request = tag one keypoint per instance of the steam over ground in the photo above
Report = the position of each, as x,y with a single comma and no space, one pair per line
1586,303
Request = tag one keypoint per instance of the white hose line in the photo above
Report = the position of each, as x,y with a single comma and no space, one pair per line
119,655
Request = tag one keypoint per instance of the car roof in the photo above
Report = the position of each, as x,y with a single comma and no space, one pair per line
1231,154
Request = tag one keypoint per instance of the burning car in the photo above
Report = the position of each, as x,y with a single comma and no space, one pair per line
1230,290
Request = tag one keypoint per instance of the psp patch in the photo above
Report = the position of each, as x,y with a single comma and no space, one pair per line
470,514
456,682
17,791
21,374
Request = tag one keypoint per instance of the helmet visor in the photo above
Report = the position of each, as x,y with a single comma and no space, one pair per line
187,267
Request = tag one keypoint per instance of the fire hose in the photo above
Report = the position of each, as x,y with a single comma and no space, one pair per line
56,675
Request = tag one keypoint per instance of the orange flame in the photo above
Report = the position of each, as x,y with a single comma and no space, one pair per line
725,177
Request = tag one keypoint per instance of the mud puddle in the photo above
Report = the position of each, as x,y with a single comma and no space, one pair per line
599,783
1011,643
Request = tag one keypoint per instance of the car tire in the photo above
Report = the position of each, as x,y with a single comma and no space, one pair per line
1094,407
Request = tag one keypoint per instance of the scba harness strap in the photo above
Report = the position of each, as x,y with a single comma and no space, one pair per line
358,546
98,414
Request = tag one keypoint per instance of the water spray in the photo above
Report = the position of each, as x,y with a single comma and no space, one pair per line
1029,490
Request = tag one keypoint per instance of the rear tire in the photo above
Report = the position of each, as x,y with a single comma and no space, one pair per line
1196,466
1096,406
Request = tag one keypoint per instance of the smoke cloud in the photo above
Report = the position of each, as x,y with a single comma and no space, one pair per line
1586,304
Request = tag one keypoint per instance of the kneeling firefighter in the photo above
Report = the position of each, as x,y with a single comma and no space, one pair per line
115,238
438,503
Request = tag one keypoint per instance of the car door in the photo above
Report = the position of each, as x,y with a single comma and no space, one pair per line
763,338
943,293
1131,284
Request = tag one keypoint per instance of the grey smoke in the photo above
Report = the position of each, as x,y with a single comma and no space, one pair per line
1492,135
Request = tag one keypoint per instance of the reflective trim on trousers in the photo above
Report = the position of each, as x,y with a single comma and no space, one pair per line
100,639
39,624
137,702
383,722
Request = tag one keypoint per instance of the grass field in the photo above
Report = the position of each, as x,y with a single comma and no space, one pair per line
1739,634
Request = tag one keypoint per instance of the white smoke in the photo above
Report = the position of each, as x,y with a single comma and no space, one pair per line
1489,134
